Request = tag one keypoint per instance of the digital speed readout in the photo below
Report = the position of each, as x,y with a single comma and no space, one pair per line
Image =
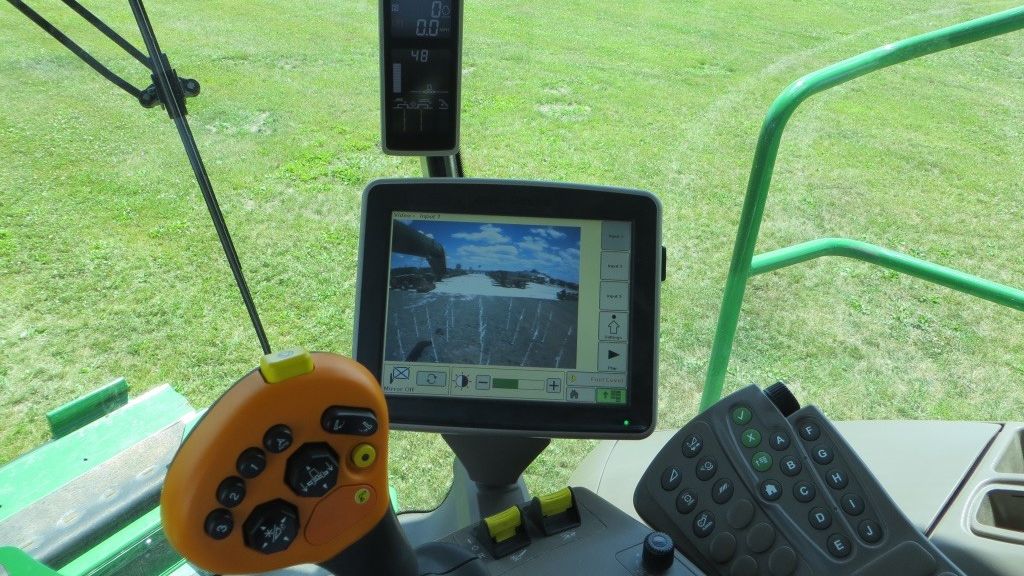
420,19
421,44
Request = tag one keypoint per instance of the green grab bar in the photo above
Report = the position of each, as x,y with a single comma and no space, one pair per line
767,151
935,273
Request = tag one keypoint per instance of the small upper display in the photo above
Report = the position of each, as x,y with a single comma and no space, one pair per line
421,19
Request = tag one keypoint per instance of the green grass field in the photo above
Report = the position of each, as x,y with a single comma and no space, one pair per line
110,267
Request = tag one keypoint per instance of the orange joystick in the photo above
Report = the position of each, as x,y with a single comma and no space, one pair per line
288,467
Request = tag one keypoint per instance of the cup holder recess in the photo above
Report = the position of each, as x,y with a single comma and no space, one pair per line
1003,509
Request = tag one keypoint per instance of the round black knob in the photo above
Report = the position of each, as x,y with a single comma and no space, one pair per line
272,527
312,471
658,552
783,399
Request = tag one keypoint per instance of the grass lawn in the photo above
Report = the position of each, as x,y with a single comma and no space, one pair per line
110,267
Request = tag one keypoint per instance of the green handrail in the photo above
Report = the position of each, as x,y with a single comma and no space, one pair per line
740,270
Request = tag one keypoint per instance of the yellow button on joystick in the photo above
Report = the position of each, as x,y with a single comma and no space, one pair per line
364,455
503,525
285,364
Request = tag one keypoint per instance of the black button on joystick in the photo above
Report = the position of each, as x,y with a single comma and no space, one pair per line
219,524
353,421
312,470
251,463
658,552
277,439
783,399
231,491
272,527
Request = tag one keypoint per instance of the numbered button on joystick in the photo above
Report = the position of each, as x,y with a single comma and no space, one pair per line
219,524
272,527
312,470
251,463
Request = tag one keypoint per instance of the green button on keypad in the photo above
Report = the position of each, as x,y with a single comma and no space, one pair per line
741,415
762,461
751,438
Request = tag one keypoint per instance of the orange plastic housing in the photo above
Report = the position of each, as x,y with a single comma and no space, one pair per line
238,421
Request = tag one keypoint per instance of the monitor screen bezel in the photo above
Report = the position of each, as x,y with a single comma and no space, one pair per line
516,199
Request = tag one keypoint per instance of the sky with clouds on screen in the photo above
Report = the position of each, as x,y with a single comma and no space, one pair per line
553,250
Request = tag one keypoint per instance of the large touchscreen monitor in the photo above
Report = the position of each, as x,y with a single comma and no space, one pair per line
511,306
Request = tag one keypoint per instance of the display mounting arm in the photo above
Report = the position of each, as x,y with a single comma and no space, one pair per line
170,91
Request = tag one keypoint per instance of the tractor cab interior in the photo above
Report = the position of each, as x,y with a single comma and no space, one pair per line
458,333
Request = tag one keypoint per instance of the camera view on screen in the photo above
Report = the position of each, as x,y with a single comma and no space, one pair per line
484,294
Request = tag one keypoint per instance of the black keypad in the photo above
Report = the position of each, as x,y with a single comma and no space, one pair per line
790,465
722,491
703,524
706,468
837,479
869,531
809,430
231,492
219,524
771,490
823,454
692,446
671,478
251,463
272,527
686,501
779,441
804,492
839,546
852,504
354,421
277,439
820,518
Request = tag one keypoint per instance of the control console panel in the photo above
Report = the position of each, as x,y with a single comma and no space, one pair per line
758,486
